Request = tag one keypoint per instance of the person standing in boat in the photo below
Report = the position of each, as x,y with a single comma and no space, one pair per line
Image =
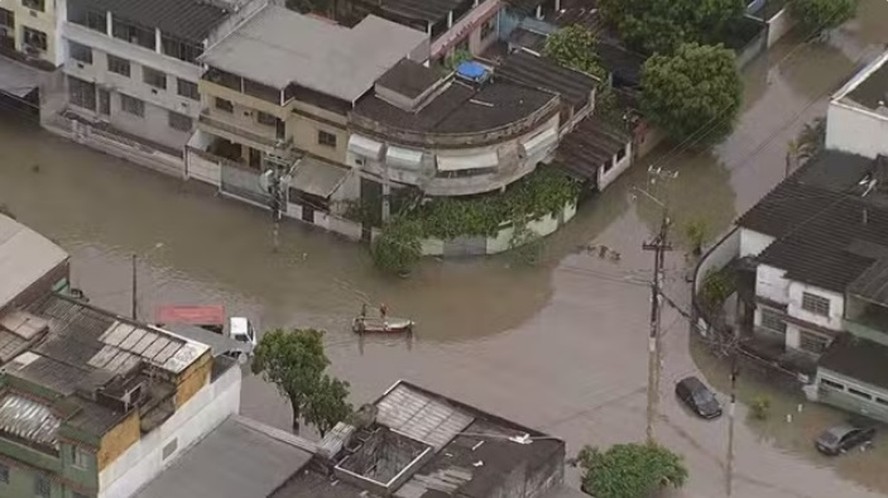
383,313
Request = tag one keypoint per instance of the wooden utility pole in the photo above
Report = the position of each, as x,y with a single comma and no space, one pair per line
659,246
729,468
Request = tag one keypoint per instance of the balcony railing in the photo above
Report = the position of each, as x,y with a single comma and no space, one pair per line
269,141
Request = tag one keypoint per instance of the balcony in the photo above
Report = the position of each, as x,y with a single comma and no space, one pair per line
252,137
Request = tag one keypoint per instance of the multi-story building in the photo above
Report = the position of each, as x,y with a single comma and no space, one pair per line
32,29
93,405
284,83
453,25
132,66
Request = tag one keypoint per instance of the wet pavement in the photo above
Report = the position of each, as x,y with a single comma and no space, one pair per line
561,347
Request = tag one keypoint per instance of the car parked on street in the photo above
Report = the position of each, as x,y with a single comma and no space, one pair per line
844,437
699,398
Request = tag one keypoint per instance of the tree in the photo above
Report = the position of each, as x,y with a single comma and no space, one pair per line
695,231
398,246
574,47
806,145
294,361
456,58
630,470
817,16
661,26
694,94
328,405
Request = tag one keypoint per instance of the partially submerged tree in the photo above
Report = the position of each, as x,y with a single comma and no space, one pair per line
294,360
692,95
661,26
806,145
630,470
817,16
574,47
397,248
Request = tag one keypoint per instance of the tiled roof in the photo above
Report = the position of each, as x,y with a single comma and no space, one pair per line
857,358
542,72
425,10
872,284
589,146
191,20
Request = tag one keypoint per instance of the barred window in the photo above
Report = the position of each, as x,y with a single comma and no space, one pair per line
815,304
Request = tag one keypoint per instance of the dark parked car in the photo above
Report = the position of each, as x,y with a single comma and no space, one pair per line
698,397
842,438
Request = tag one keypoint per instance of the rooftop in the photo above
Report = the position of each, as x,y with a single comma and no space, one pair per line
423,10
409,78
827,218
192,20
589,146
524,7
25,257
278,47
240,458
540,72
857,358
869,88
430,446
460,108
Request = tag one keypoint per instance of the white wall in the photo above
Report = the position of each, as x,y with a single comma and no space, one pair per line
770,284
199,416
836,306
855,130
779,25
606,178
752,243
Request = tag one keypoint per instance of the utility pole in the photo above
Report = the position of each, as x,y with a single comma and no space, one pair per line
135,293
729,468
659,246
276,167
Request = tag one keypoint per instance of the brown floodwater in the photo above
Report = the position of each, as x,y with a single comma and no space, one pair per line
561,346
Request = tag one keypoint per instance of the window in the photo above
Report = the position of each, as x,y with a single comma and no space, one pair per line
621,153
170,448
153,77
882,401
327,139
266,119
773,321
79,457
132,105
91,19
80,52
118,65
811,342
42,487
224,105
188,89
832,384
815,304
179,49
104,102
488,28
7,18
82,93
134,34
179,122
608,166
860,394
34,4
35,39
4,474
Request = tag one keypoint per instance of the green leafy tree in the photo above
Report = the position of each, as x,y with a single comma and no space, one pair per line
695,231
661,26
294,361
397,248
817,16
695,93
806,145
456,58
574,47
630,470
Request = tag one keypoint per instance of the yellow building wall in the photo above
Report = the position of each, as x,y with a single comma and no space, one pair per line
118,440
304,132
193,379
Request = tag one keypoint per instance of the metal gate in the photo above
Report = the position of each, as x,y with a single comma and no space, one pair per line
243,182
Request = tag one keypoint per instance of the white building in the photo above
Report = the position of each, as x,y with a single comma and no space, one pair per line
857,120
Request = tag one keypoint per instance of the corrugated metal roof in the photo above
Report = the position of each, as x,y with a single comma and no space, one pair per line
317,177
28,420
420,416
191,20
25,257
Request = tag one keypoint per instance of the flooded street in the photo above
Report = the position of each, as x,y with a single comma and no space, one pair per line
561,347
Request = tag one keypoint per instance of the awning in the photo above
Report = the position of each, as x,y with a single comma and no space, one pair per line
403,158
317,177
18,79
475,161
363,146
540,141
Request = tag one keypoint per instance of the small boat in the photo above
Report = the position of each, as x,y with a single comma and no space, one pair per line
391,325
